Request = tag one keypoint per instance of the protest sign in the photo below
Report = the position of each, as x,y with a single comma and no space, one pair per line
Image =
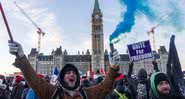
139,51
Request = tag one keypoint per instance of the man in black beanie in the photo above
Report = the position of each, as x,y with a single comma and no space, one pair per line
161,87
142,85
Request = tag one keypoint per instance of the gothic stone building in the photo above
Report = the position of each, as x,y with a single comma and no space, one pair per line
45,64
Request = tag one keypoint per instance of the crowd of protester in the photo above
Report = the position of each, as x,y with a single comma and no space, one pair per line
155,86
19,88
112,85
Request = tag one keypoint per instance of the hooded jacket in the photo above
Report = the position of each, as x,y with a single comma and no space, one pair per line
142,85
66,68
31,94
45,90
155,93
17,91
131,81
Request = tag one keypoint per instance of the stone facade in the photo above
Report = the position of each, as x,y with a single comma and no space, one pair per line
45,64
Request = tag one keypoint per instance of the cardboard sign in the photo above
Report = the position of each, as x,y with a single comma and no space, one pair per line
139,51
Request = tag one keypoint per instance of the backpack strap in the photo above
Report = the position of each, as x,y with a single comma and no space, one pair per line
83,93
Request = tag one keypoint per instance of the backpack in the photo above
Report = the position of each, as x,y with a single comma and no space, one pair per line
58,94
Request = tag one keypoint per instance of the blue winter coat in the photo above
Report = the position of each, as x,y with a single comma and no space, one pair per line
31,94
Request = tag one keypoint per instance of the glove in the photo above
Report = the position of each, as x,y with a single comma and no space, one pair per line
131,65
15,49
114,58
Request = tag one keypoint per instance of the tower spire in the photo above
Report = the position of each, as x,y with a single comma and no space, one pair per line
96,6
97,38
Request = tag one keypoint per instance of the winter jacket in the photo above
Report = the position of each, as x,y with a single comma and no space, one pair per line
25,92
115,94
45,90
92,82
31,94
131,82
17,91
111,96
123,92
170,96
124,88
142,85
154,94
85,83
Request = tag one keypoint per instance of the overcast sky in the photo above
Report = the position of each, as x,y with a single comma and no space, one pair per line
67,23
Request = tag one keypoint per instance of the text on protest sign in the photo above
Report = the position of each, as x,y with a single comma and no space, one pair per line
139,51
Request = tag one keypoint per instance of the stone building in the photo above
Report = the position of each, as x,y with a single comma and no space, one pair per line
45,64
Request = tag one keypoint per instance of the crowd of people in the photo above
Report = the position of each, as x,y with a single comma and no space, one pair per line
157,86
70,85
19,88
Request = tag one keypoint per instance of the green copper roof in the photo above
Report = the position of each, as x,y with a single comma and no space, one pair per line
96,6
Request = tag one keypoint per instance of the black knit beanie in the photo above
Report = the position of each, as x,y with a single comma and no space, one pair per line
142,74
161,77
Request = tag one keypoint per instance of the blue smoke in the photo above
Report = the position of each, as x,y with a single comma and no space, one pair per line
135,6
128,19
143,6
176,18
129,16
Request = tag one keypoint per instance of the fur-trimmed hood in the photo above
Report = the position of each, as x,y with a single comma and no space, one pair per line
66,68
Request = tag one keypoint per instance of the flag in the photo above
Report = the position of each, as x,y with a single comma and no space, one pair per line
81,73
174,70
54,77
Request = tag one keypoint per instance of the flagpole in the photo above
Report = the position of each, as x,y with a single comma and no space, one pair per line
6,23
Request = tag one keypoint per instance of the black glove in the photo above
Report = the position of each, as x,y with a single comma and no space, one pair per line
154,63
131,65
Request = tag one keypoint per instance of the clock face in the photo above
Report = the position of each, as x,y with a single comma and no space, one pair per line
96,16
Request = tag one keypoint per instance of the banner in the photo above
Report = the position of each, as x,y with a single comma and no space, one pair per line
174,69
139,51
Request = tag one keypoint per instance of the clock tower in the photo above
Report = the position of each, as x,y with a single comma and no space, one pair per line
97,40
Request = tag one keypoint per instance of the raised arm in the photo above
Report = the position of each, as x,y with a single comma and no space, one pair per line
39,85
130,69
99,91
155,66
